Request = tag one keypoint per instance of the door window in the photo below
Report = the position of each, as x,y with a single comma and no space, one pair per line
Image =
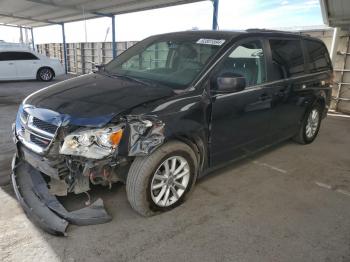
287,58
248,61
318,56
12,56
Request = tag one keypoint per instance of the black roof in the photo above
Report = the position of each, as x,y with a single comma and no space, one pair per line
231,34
208,33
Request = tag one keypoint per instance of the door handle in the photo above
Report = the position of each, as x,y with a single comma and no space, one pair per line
10,63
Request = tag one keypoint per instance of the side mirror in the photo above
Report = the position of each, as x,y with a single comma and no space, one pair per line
97,67
230,83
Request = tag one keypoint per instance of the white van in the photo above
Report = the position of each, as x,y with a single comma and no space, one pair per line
19,62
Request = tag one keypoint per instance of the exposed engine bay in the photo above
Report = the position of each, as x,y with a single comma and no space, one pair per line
66,159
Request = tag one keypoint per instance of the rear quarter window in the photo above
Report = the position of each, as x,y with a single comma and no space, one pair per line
287,58
318,56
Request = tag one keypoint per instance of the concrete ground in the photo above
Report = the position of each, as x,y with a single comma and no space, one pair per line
289,203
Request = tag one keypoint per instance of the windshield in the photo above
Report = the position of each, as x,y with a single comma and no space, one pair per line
171,60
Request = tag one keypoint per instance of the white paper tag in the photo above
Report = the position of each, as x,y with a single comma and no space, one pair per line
204,41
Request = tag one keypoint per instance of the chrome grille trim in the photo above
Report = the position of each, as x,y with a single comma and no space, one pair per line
31,146
34,138
32,127
44,126
42,142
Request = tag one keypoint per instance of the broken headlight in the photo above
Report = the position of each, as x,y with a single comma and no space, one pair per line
93,143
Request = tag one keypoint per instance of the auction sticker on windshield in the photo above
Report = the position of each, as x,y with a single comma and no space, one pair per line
204,41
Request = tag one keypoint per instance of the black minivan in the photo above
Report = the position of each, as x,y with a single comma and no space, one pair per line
163,113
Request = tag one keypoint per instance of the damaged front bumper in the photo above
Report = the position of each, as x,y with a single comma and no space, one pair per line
67,173
43,208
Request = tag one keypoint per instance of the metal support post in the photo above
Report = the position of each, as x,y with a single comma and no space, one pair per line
114,44
32,34
64,48
334,46
215,14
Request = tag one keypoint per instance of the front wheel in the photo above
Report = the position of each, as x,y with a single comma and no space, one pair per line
161,181
310,126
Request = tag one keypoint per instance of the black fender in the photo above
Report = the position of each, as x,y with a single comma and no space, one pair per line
182,118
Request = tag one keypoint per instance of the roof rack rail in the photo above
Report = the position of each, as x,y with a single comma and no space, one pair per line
252,30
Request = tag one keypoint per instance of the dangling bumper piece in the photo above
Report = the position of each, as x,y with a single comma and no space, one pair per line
43,208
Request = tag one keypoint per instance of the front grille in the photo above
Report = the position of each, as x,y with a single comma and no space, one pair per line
34,133
39,141
42,125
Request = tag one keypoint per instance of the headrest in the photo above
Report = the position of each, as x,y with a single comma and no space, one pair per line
187,51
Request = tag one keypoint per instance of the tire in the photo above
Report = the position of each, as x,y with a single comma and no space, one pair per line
45,74
144,175
304,136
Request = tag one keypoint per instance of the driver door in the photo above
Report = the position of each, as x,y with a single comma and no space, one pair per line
240,120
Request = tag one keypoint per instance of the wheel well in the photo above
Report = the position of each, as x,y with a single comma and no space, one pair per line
321,101
53,71
198,148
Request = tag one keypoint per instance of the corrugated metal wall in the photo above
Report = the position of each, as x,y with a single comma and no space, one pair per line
81,58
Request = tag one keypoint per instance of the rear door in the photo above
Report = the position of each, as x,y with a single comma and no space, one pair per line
319,67
7,66
27,65
287,75
240,120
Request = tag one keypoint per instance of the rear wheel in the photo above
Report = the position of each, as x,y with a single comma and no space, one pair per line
310,126
161,181
45,74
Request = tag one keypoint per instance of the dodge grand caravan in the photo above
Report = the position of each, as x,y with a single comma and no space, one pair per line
164,113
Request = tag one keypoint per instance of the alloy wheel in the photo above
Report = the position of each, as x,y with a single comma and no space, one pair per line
170,181
45,74
312,123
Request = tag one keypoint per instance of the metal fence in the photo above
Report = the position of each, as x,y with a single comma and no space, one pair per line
81,57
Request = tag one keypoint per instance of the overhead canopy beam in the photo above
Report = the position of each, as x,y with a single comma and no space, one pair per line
16,26
336,13
68,7
27,18
340,21
36,13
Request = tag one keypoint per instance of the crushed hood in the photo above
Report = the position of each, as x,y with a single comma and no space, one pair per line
95,97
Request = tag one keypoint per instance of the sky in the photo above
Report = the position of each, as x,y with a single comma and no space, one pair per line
233,14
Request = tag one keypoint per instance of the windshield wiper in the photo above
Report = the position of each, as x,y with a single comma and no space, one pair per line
131,78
